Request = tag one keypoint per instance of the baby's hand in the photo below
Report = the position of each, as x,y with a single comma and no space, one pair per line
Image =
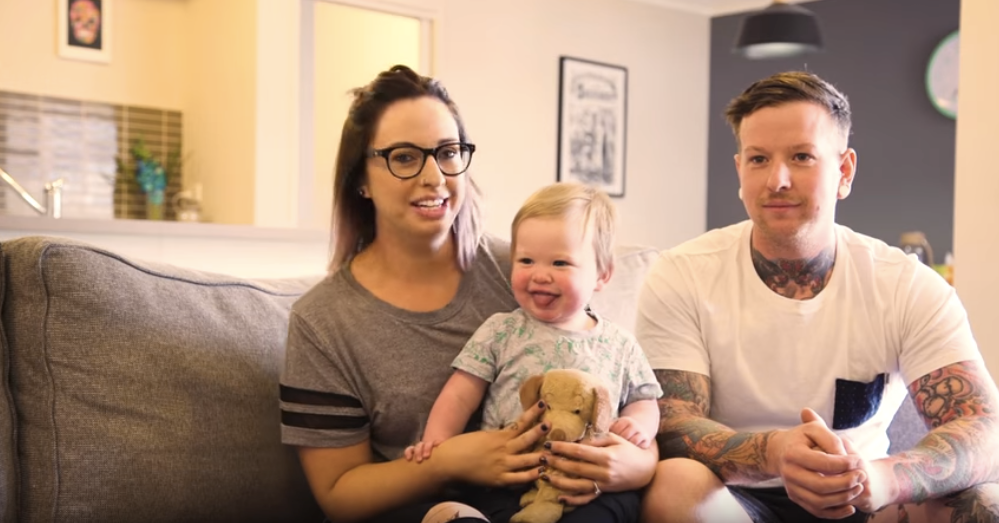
629,429
421,451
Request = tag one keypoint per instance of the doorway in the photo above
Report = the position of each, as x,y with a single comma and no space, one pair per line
351,42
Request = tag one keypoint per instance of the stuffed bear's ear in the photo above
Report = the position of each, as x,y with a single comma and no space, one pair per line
601,416
530,390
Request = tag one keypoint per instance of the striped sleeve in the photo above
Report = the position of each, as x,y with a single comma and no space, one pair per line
319,407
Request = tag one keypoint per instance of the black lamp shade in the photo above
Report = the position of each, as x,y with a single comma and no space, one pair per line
780,30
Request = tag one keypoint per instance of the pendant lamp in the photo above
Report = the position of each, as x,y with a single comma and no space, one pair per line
778,31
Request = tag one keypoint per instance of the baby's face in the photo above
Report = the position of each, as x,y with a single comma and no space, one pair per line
555,271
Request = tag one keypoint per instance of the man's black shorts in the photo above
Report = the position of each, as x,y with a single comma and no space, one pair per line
771,505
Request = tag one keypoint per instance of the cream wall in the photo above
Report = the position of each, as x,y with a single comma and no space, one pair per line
220,110
500,61
277,126
238,81
976,211
196,56
148,65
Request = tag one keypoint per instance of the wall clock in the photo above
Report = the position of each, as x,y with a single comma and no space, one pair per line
941,75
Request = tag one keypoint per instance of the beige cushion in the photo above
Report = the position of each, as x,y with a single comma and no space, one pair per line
618,300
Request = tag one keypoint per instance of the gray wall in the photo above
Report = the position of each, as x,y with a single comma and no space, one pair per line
876,53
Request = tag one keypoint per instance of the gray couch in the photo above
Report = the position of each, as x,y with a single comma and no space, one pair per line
136,391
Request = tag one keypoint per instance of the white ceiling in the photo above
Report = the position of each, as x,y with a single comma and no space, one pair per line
715,7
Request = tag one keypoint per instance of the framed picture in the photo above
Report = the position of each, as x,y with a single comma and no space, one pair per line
592,123
84,29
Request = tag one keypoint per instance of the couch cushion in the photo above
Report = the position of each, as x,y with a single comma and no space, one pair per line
618,300
906,429
142,392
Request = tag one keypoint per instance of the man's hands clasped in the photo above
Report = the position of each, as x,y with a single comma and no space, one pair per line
822,472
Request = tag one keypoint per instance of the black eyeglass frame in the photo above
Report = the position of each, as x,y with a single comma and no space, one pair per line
387,151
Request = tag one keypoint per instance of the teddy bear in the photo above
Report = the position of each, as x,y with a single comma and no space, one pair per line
577,406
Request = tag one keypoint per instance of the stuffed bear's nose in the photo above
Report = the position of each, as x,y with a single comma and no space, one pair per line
557,435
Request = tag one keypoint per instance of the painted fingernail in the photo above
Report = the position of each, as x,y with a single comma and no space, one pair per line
541,470
544,459
548,445
541,404
544,477
544,427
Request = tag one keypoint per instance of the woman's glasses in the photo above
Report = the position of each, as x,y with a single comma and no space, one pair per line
407,161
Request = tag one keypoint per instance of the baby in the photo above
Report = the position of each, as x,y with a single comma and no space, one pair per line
562,253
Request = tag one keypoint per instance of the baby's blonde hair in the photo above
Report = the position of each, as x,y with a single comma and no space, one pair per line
568,200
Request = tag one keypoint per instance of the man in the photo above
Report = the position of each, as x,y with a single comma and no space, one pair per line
785,344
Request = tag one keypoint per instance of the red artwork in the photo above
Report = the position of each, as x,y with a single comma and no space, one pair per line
85,23
85,30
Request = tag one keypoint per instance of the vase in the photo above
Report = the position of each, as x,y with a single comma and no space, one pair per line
154,205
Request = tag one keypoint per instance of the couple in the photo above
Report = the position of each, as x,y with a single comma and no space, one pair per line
842,323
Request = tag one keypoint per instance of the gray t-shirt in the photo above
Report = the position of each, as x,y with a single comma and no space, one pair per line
358,368
511,347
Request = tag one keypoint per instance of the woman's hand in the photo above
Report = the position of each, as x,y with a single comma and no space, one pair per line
608,463
494,458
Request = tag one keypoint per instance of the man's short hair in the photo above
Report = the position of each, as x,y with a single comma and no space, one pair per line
787,87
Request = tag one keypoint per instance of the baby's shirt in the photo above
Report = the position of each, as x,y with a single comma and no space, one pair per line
510,347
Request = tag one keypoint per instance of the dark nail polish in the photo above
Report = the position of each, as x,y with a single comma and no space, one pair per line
541,404
544,460
541,470
544,477
544,427
548,445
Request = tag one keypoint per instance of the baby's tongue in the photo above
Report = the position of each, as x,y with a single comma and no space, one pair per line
543,299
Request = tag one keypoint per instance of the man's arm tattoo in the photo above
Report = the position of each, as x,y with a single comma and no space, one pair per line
685,431
974,504
958,403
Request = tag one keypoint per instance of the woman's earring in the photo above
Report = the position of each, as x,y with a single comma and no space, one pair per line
740,193
362,192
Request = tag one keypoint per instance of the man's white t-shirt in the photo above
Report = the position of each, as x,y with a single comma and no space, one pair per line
883,321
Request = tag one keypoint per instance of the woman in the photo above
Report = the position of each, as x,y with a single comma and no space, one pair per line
370,347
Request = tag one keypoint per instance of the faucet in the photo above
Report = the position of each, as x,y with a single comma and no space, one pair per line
53,195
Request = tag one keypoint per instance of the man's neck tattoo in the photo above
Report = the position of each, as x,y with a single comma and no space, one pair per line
796,279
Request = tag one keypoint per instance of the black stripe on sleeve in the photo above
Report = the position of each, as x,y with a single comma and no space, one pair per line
315,397
322,421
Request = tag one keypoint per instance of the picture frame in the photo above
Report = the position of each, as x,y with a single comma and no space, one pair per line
592,123
84,29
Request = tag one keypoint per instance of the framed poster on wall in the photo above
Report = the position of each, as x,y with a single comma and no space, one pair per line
592,125
84,29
